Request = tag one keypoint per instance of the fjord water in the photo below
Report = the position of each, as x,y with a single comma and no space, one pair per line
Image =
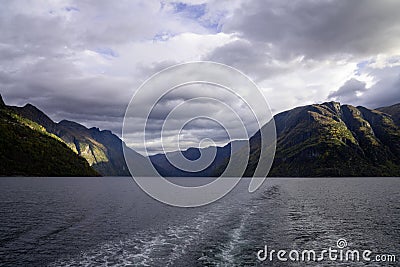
110,221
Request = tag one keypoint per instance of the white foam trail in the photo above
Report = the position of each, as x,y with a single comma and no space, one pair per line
149,248
235,238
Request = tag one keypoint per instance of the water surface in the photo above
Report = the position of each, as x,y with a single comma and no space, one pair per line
110,221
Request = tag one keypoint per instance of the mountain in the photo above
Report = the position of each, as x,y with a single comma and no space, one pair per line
393,111
103,150
326,139
330,139
165,168
27,149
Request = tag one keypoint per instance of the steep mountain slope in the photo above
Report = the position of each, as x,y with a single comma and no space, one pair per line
102,149
333,140
27,149
393,111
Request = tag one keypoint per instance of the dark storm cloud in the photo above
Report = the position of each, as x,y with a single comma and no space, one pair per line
58,88
384,92
197,118
251,57
347,94
318,29
56,77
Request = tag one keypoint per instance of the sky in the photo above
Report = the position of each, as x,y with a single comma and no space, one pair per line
84,60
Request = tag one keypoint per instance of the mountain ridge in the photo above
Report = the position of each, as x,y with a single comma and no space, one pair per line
102,149
165,168
330,139
27,149
393,111
327,139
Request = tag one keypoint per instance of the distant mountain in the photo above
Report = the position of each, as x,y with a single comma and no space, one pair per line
102,149
27,149
393,111
326,139
165,168
330,139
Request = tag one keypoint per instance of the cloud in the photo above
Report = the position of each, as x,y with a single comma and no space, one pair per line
349,91
319,29
299,52
88,61
383,92
195,112
83,61
386,90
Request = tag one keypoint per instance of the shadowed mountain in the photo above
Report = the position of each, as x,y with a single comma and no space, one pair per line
102,149
393,111
164,166
333,140
28,149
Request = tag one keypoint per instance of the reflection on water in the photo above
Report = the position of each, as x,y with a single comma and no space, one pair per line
110,221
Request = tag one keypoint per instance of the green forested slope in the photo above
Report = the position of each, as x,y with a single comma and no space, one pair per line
27,149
